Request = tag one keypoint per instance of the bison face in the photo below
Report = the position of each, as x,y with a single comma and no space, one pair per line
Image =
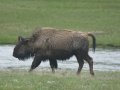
22,49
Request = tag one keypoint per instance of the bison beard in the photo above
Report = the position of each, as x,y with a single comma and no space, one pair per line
52,44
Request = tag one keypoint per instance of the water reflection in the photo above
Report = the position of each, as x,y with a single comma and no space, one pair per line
104,60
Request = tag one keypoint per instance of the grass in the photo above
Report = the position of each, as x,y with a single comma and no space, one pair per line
20,17
21,80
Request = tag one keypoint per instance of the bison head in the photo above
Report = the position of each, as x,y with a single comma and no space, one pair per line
22,49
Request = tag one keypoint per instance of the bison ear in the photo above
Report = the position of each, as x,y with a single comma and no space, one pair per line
20,38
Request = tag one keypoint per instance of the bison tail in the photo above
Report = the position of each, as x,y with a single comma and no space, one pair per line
94,41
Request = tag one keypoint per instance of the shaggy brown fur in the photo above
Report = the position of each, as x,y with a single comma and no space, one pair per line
53,44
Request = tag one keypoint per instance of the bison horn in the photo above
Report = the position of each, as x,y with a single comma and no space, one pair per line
20,38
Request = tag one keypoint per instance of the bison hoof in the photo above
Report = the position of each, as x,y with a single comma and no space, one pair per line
92,74
30,70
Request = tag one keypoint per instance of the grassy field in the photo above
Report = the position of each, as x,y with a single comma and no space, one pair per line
21,80
20,17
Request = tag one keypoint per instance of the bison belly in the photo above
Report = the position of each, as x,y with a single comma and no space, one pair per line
55,54
61,54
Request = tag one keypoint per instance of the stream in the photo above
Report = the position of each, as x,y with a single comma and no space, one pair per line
104,60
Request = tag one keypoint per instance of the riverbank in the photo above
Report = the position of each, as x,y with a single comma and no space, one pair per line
22,80
20,18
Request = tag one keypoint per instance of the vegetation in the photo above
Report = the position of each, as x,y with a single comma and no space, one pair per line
21,80
21,17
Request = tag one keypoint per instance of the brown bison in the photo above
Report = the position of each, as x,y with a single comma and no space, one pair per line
53,44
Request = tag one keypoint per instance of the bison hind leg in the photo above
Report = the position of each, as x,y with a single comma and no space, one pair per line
80,62
53,64
90,62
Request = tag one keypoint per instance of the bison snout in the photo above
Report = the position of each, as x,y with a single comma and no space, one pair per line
14,55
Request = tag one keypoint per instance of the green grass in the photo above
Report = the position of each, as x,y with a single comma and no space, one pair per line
21,80
20,17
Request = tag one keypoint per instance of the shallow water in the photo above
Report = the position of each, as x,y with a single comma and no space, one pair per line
104,60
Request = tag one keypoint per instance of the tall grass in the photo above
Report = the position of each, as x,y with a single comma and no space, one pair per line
20,17
20,80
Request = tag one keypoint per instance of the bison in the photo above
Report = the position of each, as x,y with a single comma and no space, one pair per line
55,44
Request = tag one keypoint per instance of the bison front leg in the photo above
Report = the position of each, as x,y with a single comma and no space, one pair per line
36,62
53,64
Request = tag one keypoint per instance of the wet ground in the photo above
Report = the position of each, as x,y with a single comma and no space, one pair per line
104,60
